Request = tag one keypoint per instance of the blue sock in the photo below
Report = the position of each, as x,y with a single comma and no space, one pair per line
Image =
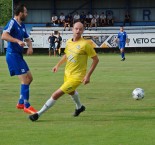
27,104
123,54
25,94
21,99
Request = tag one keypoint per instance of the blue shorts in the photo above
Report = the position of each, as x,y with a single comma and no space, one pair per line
121,44
16,64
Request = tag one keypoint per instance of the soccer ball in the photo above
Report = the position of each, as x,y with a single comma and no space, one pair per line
138,94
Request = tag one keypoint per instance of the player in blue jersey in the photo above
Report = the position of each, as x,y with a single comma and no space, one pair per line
122,39
15,34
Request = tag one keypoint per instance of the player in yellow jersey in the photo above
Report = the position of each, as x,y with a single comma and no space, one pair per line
76,55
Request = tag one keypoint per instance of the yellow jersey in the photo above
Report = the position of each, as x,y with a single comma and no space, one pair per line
77,54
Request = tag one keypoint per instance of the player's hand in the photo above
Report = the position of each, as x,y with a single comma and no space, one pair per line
29,51
55,69
86,80
21,43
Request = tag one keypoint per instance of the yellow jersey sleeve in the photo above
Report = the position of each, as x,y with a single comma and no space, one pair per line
90,50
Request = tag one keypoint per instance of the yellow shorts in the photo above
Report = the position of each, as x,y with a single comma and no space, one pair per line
70,85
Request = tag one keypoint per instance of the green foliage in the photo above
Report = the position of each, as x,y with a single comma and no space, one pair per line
112,116
5,11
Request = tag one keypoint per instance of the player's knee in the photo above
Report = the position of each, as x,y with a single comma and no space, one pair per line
29,79
57,94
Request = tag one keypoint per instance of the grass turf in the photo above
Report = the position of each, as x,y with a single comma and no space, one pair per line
112,117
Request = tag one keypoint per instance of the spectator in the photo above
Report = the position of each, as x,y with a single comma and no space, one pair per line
68,21
82,17
90,16
96,16
127,18
110,19
103,19
76,17
59,42
62,19
88,20
54,20
93,23
52,40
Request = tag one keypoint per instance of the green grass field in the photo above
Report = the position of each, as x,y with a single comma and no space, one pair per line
112,117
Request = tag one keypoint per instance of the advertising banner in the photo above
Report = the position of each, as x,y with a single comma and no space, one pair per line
100,40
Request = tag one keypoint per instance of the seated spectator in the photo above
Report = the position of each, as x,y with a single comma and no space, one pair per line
96,16
68,22
76,17
110,20
88,20
103,19
127,18
71,18
62,19
54,20
93,23
82,17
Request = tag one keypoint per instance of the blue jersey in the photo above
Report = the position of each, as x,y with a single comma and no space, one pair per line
18,31
122,36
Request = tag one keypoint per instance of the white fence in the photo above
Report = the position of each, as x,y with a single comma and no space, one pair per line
100,40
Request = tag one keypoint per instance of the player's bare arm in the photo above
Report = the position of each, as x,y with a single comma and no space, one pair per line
7,37
86,79
29,44
62,60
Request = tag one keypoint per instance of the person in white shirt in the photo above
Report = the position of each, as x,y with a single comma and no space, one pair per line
110,19
76,17
96,16
93,23
62,19
102,19
88,20
54,19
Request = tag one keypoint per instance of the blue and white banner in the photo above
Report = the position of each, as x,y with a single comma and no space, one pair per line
100,40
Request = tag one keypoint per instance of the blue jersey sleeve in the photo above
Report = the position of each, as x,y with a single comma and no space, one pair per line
9,27
17,31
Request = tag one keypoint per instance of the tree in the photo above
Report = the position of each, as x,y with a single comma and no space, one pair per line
5,11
